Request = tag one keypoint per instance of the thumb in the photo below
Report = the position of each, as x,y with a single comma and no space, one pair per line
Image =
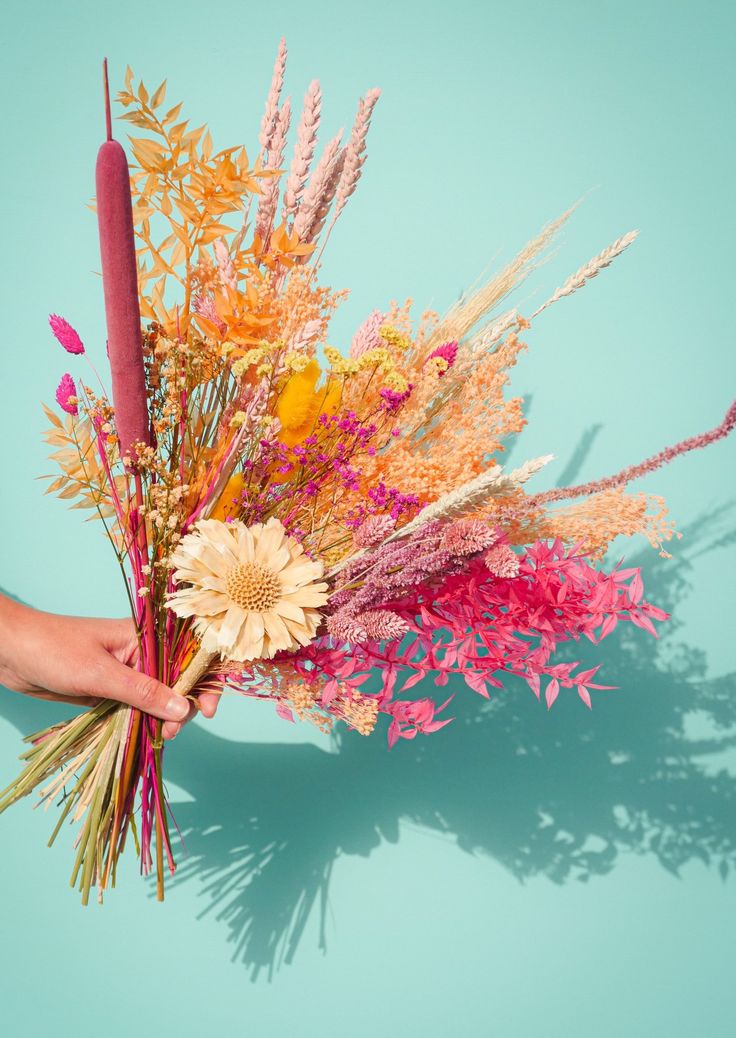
142,692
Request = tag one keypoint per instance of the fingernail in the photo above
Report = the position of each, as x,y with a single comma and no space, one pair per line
177,708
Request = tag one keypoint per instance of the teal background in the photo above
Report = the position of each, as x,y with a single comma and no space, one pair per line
567,873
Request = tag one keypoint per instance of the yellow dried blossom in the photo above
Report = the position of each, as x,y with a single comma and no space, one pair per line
238,418
296,361
378,355
396,381
249,358
341,365
394,337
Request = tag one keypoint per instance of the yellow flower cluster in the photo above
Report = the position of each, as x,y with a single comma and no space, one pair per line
394,337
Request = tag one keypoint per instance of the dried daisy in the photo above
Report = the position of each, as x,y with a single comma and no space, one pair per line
252,590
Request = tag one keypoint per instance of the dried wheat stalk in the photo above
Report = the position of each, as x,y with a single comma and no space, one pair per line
306,141
589,270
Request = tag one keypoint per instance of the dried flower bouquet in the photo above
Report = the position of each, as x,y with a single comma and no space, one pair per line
291,517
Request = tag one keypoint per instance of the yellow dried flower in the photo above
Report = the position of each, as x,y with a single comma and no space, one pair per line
249,358
296,361
394,337
378,355
396,381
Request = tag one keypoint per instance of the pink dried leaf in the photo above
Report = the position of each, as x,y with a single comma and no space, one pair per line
553,690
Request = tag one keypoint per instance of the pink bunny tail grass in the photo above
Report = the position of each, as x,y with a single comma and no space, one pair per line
636,471
66,335
367,337
306,142
320,191
270,196
270,115
66,395
355,155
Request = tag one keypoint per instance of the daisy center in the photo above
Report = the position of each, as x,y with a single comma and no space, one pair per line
253,587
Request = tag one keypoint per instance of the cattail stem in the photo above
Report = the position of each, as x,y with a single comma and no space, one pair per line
106,87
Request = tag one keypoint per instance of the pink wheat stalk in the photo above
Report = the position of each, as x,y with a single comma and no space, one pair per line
355,155
636,471
367,337
270,196
320,191
270,115
306,142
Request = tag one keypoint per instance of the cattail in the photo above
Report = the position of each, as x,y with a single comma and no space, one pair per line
270,116
270,195
355,154
120,285
591,268
320,191
306,141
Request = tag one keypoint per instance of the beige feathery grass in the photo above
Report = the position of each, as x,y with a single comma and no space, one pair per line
471,496
465,314
589,270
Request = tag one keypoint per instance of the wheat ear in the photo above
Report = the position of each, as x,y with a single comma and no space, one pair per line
306,141
589,270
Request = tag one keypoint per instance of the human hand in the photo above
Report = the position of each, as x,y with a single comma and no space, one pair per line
81,660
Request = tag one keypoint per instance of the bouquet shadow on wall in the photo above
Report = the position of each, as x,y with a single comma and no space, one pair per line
561,794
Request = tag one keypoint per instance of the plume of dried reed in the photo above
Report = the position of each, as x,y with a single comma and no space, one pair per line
465,314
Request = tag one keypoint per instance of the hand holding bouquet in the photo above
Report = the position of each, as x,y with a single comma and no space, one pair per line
291,517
